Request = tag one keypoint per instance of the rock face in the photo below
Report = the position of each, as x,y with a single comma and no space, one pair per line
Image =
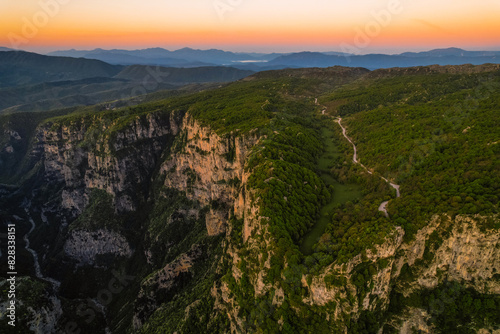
210,169
10,137
161,282
84,246
116,160
124,159
323,292
41,316
416,322
91,152
468,255
464,251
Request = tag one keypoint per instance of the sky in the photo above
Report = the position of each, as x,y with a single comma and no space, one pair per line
359,26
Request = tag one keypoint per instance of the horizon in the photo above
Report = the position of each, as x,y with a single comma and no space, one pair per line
250,51
367,26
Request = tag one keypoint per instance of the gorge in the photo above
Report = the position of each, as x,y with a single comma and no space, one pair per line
189,214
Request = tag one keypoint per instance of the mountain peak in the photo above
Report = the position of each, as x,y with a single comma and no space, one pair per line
186,49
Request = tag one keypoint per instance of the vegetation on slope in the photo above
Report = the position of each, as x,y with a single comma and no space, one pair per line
435,134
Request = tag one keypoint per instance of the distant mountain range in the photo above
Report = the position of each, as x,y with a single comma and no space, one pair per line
185,57
188,57
451,52
376,61
30,81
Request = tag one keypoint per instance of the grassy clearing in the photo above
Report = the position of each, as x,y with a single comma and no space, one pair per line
342,193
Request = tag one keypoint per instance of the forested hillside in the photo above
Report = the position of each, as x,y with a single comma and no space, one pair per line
239,209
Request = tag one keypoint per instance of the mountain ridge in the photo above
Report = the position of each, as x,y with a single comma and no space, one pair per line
190,57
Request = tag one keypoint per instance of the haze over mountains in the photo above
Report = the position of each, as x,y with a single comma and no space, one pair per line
185,57
188,57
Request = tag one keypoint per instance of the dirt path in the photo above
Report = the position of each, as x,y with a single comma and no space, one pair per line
383,205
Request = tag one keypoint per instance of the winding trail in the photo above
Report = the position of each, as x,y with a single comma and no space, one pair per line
383,205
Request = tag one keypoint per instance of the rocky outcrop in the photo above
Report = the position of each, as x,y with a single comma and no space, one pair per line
9,137
335,283
465,251
462,250
416,322
84,246
44,320
36,306
159,284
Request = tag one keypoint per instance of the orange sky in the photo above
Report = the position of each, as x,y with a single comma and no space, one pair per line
272,25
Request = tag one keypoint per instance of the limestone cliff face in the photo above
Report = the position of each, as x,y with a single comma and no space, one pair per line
462,249
10,137
92,152
40,317
124,157
322,291
466,254
119,162
211,170
415,321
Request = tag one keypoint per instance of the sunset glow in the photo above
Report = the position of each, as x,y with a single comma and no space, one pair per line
244,25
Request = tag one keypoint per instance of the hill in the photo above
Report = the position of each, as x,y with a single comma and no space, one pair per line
21,68
182,75
32,82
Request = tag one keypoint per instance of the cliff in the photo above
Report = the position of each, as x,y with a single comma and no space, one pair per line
460,249
126,160
95,152
211,170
